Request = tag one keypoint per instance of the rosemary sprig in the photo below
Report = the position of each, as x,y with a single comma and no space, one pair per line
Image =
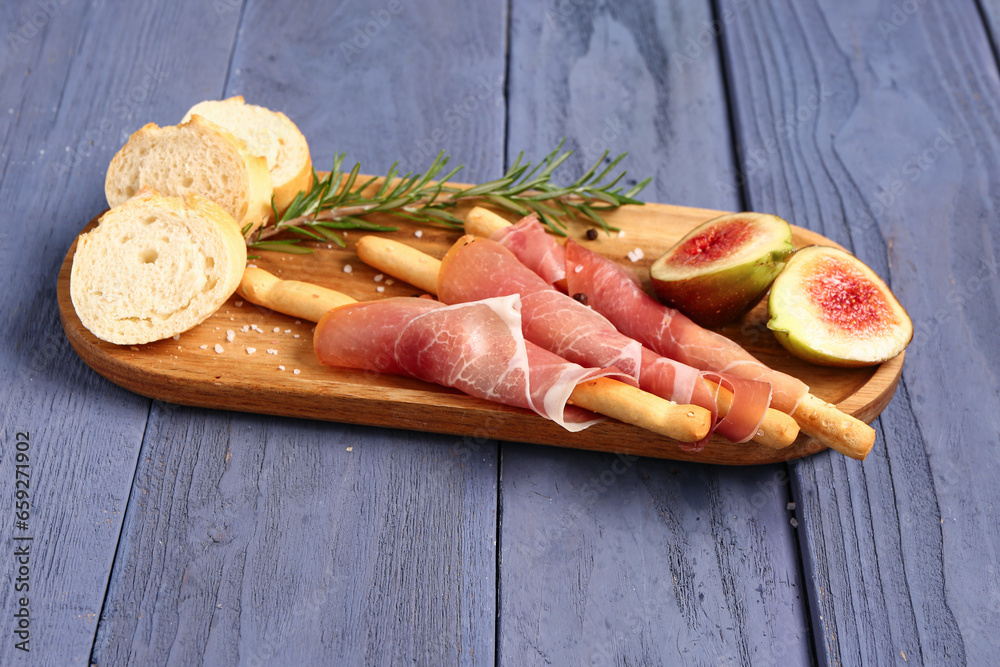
340,201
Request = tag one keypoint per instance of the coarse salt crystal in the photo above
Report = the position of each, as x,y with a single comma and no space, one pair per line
348,268
276,330
272,352
578,268
418,233
203,347
251,350
790,506
230,335
621,233
794,522
288,331
238,304
379,289
378,278
389,281
281,368
218,349
176,336
296,371
635,255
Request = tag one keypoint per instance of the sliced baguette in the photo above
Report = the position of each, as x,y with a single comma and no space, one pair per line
155,266
270,134
196,157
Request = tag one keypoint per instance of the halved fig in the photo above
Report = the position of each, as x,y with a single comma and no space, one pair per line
723,267
827,307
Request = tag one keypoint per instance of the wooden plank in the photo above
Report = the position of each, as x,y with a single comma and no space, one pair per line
265,362
75,78
876,124
619,560
276,543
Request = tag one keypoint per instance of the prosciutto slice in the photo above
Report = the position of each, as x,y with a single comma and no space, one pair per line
474,347
485,268
536,249
615,292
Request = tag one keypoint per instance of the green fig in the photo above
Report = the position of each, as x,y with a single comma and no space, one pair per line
827,307
723,267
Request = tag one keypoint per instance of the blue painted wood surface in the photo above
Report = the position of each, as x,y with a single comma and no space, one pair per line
172,535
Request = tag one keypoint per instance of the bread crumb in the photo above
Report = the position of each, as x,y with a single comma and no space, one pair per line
238,304
251,350
218,349
389,281
350,449
347,268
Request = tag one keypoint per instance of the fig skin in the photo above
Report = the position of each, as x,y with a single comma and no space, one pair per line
731,282
827,307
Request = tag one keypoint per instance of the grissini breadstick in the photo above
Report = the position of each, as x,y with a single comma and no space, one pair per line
684,423
777,430
815,417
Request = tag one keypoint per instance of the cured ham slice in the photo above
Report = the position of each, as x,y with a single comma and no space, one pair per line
535,247
615,292
485,268
474,347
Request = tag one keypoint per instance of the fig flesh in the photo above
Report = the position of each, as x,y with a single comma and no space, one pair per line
829,308
723,267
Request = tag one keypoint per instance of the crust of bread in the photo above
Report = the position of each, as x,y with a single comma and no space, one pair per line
195,157
270,134
155,266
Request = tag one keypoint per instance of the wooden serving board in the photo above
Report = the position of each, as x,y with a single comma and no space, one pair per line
282,377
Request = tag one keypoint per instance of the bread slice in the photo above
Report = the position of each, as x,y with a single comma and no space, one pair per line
196,157
270,134
155,266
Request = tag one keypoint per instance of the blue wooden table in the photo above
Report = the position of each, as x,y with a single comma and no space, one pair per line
164,534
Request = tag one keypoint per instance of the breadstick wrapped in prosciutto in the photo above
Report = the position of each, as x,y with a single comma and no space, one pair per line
477,268
474,347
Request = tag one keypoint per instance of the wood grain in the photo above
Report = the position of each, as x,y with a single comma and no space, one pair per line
261,541
74,77
607,559
246,376
876,125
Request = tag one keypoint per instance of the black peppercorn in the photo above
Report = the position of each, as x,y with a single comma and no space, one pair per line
581,297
